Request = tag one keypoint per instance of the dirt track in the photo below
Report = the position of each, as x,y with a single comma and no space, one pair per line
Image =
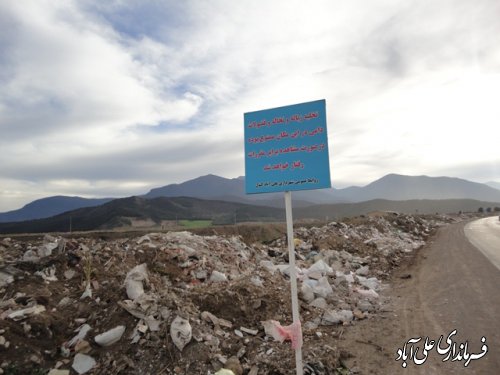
452,286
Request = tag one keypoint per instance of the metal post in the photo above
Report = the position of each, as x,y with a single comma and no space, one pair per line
293,274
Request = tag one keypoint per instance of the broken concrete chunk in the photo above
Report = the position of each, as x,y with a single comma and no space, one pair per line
110,337
335,317
371,283
363,271
306,293
369,294
180,332
217,276
365,306
58,372
323,288
153,324
31,256
5,279
268,265
320,303
83,363
224,371
320,266
46,249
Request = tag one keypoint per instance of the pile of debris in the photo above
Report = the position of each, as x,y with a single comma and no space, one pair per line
180,303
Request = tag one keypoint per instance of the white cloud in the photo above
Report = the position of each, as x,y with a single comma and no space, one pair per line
110,98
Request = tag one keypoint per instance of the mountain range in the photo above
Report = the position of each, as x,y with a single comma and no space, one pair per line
210,187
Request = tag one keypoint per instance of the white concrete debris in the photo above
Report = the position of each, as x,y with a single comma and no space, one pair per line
217,276
5,279
110,337
83,363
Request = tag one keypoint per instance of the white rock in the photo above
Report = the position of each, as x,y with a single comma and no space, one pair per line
83,363
306,293
180,332
369,294
153,324
58,372
238,333
371,283
348,277
110,337
46,249
5,279
320,266
323,288
217,276
285,269
320,303
30,256
362,271
365,306
257,281
268,265
335,317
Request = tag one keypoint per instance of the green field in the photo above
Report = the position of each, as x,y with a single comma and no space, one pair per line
191,224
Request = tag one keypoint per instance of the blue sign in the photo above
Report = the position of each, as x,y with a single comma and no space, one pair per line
286,148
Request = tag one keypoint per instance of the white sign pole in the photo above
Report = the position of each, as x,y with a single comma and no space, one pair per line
293,275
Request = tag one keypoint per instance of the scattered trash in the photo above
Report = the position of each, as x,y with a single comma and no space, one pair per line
279,333
24,313
148,285
110,337
181,332
134,279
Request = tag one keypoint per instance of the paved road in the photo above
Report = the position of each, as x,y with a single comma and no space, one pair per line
484,234
453,286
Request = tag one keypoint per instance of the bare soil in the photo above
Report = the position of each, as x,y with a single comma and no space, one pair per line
446,285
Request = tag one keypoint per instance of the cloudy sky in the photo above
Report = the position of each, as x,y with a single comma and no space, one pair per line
113,98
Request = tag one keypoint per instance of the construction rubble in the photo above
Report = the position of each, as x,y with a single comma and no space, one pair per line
182,303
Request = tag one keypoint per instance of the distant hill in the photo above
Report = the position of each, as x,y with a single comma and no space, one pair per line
493,184
47,207
390,187
400,187
119,212
210,187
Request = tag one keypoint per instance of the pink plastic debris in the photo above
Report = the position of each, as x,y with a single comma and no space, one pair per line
293,332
